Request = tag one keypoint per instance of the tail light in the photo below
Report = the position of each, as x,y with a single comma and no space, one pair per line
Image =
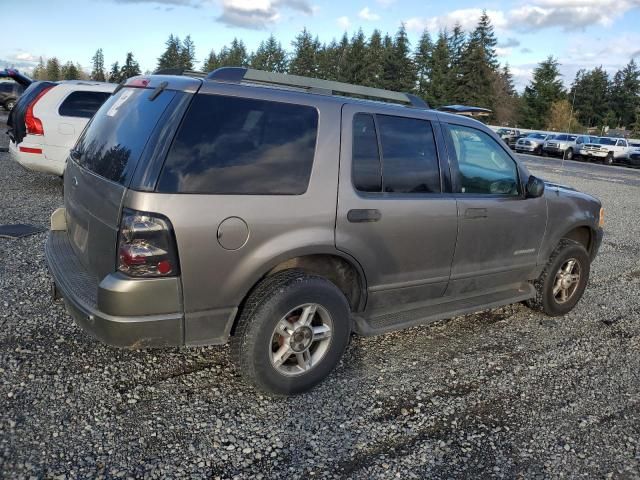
31,122
146,246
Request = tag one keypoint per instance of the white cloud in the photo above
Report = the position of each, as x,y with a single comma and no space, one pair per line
26,57
467,18
343,22
258,14
367,14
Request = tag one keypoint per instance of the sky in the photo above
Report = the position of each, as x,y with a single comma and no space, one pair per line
579,33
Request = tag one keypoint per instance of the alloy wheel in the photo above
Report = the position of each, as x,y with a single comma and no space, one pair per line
566,281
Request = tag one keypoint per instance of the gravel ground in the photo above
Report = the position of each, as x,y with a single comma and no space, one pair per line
503,393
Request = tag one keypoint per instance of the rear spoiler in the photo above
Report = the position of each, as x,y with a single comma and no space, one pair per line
466,110
15,75
180,71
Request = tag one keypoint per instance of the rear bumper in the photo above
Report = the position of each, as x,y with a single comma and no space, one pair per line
32,157
86,300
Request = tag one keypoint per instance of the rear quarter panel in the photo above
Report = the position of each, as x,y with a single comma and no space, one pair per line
280,227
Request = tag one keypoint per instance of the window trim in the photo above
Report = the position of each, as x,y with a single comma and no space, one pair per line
455,168
398,195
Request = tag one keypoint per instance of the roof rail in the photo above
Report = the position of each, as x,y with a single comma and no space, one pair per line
314,85
180,71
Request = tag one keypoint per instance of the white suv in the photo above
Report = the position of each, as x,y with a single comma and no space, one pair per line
48,119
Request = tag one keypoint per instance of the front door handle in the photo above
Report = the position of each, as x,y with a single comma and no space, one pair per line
475,213
364,215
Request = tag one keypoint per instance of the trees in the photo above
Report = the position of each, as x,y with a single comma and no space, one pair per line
398,70
304,60
233,56
269,56
53,69
187,54
544,89
114,73
211,62
131,68
590,96
438,89
171,57
624,92
423,61
97,70
562,118
40,70
69,71
372,70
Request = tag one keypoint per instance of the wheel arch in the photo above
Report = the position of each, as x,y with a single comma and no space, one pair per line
582,234
339,268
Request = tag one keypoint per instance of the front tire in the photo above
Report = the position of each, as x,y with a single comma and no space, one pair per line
569,154
292,332
608,159
561,284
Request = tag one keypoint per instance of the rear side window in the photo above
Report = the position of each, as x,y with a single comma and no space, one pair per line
82,104
231,145
116,136
409,160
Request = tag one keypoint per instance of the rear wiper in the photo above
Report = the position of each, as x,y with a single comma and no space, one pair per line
159,89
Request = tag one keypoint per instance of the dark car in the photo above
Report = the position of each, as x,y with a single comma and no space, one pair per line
12,84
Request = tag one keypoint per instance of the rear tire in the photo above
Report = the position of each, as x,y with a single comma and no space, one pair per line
292,332
8,106
562,282
538,151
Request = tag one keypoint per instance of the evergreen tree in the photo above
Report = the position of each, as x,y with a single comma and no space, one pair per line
97,71
624,94
477,79
439,89
40,70
69,71
171,58
484,36
53,69
211,62
114,73
398,70
423,61
544,89
507,79
131,68
270,56
372,71
328,61
506,102
304,60
355,70
187,54
591,99
457,46
234,55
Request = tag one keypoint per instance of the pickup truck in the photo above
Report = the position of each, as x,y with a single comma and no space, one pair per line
509,136
606,149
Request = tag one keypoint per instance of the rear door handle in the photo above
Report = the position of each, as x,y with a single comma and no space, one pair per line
364,215
475,213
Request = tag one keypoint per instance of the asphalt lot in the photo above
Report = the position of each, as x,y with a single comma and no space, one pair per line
500,394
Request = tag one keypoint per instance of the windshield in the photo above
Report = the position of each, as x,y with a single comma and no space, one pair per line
503,131
606,141
552,137
537,135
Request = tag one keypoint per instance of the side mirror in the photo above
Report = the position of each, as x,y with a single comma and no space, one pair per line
535,187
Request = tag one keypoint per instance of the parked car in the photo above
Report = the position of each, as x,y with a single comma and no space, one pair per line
562,144
9,94
242,207
632,158
606,149
49,118
532,143
509,135
12,84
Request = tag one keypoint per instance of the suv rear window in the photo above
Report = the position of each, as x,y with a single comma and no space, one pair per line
231,145
82,104
113,142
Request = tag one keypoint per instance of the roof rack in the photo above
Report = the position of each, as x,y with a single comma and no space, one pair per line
180,71
314,85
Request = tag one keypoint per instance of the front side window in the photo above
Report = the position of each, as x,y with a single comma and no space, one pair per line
232,145
408,162
82,104
483,166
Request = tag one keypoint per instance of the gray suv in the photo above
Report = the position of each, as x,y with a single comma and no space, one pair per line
283,214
